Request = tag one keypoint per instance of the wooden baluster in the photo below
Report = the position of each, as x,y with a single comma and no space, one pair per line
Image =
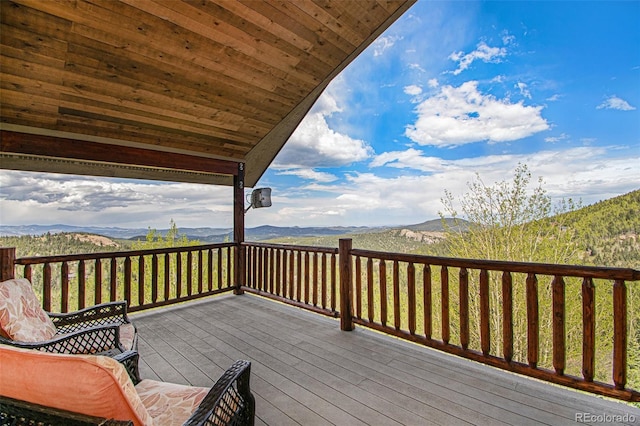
370,305
358,296
178,275
81,284
559,354
464,308
189,273
323,281
396,295
259,269
314,290
113,280
141,280
285,270
588,329
444,283
532,320
485,334
97,282
167,276
383,292
210,270
307,272
619,334
127,280
427,301
278,276
507,316
27,272
299,276
291,280
64,286
154,278
221,268
333,281
411,290
200,272
269,270
229,263
251,268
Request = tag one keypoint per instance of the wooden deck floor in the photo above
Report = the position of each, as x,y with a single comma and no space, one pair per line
306,371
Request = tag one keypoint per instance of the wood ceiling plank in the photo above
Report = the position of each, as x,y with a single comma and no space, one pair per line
286,15
329,22
218,30
210,78
191,47
255,28
205,91
145,119
362,17
12,142
156,38
151,137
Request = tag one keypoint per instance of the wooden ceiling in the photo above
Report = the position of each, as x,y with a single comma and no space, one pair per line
169,89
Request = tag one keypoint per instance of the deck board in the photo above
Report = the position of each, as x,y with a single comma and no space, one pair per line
306,371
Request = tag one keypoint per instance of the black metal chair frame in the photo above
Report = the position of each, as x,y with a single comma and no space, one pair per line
90,330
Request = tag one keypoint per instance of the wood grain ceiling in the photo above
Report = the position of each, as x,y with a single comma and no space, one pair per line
219,82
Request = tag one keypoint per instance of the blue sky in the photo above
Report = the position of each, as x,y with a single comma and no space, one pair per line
450,90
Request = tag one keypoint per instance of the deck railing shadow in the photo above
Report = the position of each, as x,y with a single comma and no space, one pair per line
564,324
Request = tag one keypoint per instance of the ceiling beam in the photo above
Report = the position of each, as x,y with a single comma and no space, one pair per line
57,147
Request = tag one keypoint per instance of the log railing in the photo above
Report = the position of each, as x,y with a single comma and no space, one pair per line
572,325
145,278
302,276
541,320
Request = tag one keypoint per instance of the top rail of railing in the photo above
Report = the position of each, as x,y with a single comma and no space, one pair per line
627,274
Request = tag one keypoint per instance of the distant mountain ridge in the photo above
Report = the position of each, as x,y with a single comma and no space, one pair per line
213,235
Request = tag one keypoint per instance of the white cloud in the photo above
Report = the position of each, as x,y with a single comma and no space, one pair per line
589,173
383,43
554,98
483,52
615,102
411,158
524,90
310,174
433,83
315,144
413,90
43,198
554,139
461,115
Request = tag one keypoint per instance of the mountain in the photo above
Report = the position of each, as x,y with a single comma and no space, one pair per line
206,235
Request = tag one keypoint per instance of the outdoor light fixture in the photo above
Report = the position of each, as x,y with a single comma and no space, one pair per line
260,197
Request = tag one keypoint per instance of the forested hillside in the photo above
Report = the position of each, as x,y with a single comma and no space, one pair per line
62,243
609,230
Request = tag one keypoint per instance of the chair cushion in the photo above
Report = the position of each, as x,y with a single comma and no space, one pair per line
169,403
127,336
21,315
86,384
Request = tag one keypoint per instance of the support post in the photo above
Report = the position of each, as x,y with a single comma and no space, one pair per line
238,229
7,262
346,280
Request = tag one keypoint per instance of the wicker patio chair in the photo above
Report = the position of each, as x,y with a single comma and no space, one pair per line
103,328
99,386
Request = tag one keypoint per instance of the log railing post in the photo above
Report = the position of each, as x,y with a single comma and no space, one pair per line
238,230
346,279
7,261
